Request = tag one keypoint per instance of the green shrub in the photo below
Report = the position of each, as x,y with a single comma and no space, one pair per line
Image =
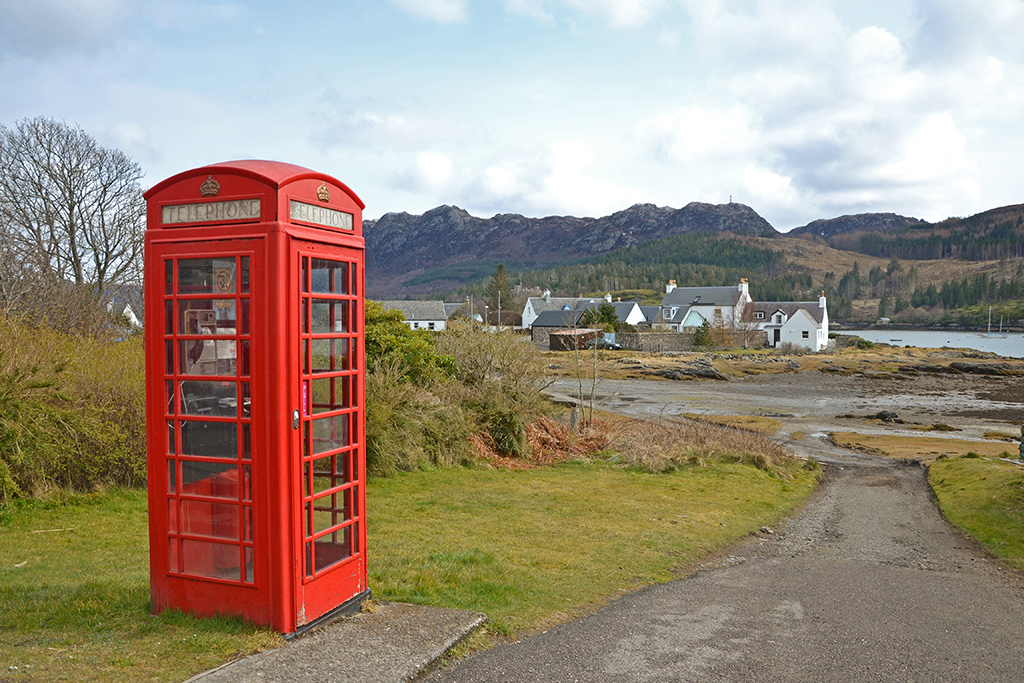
71,411
407,426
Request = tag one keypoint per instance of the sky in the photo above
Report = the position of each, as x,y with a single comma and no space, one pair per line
800,109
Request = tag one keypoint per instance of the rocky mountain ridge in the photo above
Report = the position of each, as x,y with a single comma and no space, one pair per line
400,246
861,222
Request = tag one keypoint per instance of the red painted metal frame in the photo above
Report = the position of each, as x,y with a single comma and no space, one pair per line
280,595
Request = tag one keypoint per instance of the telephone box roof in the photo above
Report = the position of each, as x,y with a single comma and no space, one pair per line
276,174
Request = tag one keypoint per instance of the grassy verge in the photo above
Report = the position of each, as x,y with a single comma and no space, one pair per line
74,599
985,498
532,548
918,447
529,547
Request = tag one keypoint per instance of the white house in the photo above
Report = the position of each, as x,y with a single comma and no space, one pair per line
628,312
800,323
685,308
420,315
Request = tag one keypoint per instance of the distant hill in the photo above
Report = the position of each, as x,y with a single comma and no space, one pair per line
862,222
407,255
987,236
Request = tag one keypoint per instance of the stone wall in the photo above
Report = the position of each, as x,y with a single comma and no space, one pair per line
656,342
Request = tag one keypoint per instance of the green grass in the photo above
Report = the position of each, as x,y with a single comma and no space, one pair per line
532,548
985,498
529,548
74,598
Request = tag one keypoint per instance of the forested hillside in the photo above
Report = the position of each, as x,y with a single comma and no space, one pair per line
988,236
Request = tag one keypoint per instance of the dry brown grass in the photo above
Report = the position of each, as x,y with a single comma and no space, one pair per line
669,445
754,423
916,448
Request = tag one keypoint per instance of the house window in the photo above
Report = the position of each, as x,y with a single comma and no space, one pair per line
415,326
805,334
778,319
430,326
759,315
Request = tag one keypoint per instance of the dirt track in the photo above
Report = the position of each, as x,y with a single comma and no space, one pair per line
867,583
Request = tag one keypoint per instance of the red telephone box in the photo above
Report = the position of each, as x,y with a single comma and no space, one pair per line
255,394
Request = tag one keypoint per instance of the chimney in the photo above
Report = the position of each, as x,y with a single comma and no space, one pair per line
821,300
547,295
670,286
743,286
608,298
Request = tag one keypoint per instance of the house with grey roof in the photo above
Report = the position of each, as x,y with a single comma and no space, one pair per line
800,323
535,305
420,315
687,308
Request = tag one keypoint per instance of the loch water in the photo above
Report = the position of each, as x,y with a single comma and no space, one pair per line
1011,346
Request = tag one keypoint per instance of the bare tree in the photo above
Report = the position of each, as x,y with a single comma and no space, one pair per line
71,211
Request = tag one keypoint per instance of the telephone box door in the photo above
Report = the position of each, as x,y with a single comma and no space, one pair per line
211,506
329,353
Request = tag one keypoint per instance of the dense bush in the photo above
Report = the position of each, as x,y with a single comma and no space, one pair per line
427,393
72,411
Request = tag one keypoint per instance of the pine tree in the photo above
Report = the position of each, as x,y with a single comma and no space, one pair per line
499,284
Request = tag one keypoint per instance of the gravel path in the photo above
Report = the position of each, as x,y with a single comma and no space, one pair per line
868,583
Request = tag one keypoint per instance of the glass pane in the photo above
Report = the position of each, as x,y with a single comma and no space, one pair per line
305,274
330,393
248,524
355,281
247,483
245,275
172,476
330,276
330,433
329,354
305,316
206,276
168,277
248,565
208,357
216,520
331,510
171,441
172,550
169,391
330,316
342,468
309,558
210,479
333,549
246,368
209,439
208,316
168,317
206,558
172,516
246,442
323,475
245,316
209,398
169,356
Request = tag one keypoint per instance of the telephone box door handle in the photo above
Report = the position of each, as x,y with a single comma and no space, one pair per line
295,419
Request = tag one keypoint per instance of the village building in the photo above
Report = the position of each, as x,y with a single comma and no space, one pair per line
420,315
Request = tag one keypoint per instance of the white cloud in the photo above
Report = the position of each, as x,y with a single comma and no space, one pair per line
391,130
439,11
621,13
556,184
432,171
696,133
134,140
44,28
531,9
769,187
